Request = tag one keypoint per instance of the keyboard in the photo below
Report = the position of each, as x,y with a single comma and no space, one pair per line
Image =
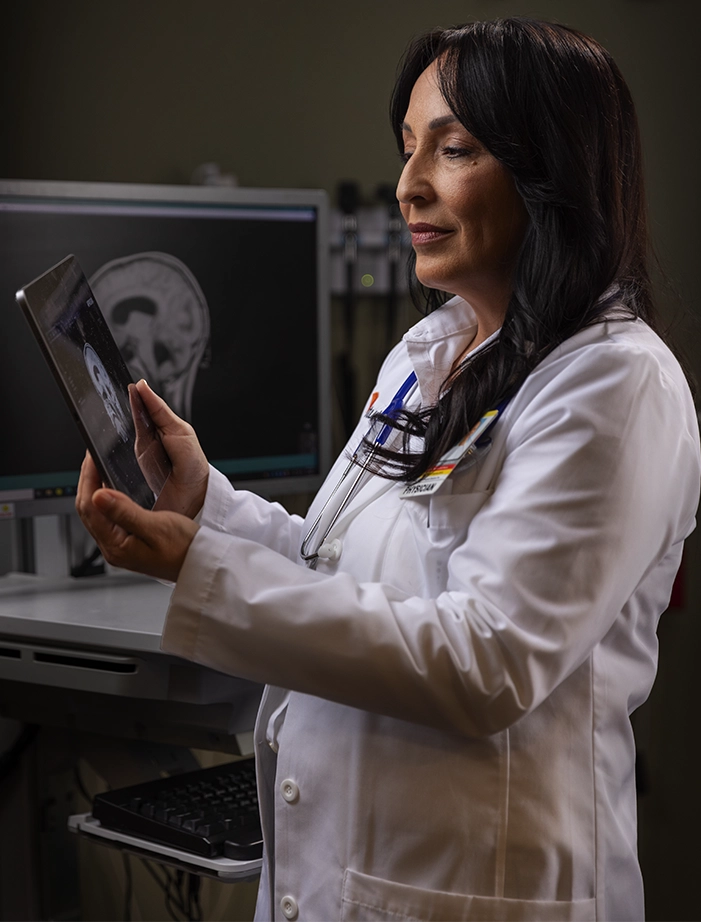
211,812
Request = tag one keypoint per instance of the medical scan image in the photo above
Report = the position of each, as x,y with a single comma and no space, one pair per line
105,387
160,320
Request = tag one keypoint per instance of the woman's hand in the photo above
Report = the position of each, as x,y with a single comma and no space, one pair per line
154,543
186,487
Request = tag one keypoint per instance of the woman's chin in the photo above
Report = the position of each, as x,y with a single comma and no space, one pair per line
430,280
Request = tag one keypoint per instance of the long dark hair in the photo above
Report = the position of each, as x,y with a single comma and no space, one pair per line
551,105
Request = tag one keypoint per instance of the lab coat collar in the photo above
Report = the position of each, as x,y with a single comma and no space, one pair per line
433,345
436,341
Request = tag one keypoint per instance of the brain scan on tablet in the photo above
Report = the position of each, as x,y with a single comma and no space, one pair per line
90,370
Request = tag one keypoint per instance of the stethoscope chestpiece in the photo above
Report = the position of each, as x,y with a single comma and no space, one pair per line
330,550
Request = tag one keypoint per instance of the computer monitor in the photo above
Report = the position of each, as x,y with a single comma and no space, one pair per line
217,296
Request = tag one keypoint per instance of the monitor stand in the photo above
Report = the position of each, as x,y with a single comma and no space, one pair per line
46,545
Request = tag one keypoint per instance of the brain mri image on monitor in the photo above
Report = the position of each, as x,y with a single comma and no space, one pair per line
177,274
159,318
107,391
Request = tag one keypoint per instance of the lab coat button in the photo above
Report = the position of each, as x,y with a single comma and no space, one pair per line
289,907
290,792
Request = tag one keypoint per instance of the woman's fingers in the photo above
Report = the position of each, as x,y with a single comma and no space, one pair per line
165,420
184,491
154,543
88,482
87,470
118,509
102,529
186,487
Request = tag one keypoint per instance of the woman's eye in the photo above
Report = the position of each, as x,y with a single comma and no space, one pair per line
455,152
451,152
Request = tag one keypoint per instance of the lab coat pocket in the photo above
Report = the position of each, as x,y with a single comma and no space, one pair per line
453,512
370,899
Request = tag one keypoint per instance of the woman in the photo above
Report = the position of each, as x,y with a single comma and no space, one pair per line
456,743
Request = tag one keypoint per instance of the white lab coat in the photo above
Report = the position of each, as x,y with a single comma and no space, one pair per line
457,743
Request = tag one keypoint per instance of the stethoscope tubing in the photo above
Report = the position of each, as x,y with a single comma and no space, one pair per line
395,405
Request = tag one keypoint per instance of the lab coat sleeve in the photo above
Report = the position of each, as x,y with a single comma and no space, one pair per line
239,512
598,487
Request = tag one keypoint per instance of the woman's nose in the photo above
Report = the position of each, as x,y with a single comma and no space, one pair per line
414,182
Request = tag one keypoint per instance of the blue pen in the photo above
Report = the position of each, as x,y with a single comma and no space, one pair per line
395,405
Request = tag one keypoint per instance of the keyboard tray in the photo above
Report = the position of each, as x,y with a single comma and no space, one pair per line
225,870
212,812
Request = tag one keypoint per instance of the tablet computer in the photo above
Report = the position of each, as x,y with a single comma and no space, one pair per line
93,377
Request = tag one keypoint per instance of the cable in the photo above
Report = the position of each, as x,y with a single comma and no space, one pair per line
147,865
194,907
166,884
90,566
128,888
174,896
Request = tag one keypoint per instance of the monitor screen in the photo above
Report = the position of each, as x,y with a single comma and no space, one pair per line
217,296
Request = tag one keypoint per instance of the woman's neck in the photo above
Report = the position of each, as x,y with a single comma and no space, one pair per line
482,334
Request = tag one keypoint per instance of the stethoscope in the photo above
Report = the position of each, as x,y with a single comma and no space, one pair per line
330,550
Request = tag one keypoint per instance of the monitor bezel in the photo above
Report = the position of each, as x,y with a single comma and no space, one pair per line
316,199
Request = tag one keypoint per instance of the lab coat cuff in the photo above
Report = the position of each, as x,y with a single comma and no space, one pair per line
193,593
217,501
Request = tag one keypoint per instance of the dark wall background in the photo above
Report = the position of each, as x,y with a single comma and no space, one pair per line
295,94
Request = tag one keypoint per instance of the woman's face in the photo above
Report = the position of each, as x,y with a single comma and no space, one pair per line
466,218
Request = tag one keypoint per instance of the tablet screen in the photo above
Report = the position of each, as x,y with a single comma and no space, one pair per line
95,381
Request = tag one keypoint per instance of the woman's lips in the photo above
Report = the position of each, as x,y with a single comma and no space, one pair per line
426,233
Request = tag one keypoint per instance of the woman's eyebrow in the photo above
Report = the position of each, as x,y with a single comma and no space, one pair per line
435,123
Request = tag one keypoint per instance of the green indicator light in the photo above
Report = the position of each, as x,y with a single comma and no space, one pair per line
367,281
